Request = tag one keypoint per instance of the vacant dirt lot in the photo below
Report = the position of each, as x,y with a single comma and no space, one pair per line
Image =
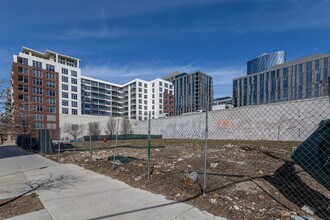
246,179
19,206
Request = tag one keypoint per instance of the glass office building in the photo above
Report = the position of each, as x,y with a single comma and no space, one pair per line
265,61
300,79
192,92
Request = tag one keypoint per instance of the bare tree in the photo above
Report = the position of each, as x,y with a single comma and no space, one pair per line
75,130
110,126
126,126
94,128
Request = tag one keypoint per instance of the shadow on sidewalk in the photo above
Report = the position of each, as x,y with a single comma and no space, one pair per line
7,151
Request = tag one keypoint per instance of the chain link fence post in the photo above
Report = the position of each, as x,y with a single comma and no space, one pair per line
59,144
114,154
90,147
206,145
149,125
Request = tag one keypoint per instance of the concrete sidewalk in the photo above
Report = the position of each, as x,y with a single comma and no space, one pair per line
70,192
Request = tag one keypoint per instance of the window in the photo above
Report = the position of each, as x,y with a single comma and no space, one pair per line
23,97
51,109
50,101
160,83
50,67
65,79
37,99
65,95
160,106
37,82
37,91
22,70
153,84
50,75
145,91
74,111
65,71
140,95
145,96
74,81
65,102
36,64
25,107
74,104
23,79
145,102
38,117
65,110
166,85
51,92
74,96
161,95
50,84
73,73
51,126
65,87
51,117
37,73
23,88
38,125
160,89
37,108
22,60
140,83
74,88
140,106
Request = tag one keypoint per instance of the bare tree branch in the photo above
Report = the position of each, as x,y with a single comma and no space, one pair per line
126,126
94,128
110,126
75,130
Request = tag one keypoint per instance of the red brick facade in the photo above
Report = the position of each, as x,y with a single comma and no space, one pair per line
168,103
35,93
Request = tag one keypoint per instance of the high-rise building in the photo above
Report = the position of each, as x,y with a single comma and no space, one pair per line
192,92
265,61
299,79
43,86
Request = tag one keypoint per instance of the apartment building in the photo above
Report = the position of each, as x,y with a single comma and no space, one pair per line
222,103
298,79
133,99
161,98
192,92
102,98
43,86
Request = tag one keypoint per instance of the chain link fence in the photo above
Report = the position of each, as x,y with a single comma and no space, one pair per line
269,161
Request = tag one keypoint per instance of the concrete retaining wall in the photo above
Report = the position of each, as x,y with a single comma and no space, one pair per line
84,120
294,120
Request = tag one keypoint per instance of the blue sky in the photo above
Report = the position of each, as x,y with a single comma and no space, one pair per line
122,40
